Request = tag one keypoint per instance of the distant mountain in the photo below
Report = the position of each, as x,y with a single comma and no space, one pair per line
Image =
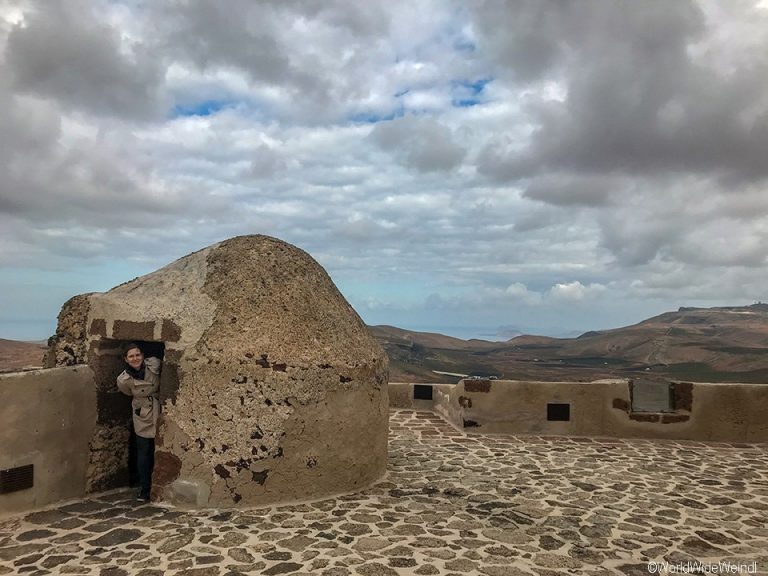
429,339
728,344
15,355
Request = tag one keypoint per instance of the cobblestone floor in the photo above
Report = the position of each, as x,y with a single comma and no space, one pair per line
451,504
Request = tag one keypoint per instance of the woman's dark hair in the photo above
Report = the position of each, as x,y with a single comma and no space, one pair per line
130,346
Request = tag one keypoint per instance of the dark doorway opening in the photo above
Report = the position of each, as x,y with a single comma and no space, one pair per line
114,422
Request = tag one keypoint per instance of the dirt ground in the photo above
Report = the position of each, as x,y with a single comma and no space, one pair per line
16,355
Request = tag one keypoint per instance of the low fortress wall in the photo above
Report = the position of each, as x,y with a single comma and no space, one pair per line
48,418
608,408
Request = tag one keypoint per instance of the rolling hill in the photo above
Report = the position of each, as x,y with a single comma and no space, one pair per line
15,355
728,344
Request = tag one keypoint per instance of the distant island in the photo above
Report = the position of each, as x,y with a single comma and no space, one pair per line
725,344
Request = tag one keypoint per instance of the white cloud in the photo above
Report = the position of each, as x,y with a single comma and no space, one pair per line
575,291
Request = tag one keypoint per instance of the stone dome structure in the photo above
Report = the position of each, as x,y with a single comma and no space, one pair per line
272,387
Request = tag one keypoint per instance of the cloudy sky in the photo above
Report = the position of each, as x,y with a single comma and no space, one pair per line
473,168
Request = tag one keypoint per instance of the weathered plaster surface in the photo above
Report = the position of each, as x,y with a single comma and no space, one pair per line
702,411
47,418
173,293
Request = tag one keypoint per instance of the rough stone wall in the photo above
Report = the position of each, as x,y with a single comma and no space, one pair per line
285,395
68,346
272,388
108,460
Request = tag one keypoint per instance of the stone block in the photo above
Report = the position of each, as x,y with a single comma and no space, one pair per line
98,327
170,332
127,330
483,386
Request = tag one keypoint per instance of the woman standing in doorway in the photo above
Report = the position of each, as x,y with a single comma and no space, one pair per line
141,379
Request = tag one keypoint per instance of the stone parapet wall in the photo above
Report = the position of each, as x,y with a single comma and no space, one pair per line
604,408
48,419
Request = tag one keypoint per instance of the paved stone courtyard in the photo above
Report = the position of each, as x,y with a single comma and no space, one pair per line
451,504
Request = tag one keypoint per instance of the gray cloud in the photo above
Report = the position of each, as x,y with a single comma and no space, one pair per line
569,190
653,115
62,51
422,143
636,99
266,162
241,34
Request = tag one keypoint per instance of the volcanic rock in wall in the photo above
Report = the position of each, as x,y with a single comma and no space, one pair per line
68,346
272,387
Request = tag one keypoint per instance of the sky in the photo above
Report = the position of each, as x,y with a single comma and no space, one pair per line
478,169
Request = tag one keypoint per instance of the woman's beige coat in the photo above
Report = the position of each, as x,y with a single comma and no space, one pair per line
146,407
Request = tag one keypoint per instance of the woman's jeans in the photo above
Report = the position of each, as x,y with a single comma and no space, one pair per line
145,461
